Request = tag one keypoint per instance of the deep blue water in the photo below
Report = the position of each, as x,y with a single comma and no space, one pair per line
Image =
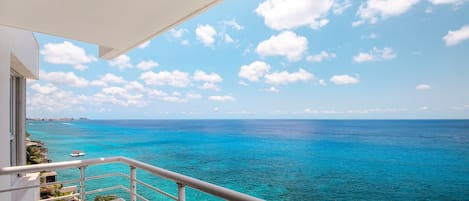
280,159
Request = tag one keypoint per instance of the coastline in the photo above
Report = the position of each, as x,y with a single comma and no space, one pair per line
37,153
63,119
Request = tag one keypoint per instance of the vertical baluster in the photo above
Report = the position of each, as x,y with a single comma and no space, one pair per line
82,183
133,183
181,192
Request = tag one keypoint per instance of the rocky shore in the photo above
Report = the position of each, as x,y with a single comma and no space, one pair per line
36,153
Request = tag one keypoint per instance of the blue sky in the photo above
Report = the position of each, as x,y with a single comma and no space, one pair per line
318,59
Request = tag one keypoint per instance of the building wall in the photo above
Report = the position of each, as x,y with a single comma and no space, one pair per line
24,51
27,194
18,51
4,112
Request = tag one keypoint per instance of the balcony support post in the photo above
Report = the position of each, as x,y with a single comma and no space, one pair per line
181,192
133,183
82,183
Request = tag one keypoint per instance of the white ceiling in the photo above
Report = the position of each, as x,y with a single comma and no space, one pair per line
116,26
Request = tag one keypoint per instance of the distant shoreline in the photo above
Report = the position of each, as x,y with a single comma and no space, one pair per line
250,119
57,119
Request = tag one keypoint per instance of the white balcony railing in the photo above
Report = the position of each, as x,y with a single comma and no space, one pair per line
181,180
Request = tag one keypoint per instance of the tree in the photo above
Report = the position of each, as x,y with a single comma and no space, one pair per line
105,197
33,155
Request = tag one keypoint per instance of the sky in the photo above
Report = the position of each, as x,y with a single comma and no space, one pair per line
272,59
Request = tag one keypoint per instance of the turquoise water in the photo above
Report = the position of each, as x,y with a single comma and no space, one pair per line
279,159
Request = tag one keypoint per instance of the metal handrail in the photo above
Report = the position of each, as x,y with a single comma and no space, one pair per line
180,179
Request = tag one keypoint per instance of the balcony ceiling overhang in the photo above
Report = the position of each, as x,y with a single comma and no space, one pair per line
116,26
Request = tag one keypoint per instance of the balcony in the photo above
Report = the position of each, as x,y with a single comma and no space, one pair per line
180,181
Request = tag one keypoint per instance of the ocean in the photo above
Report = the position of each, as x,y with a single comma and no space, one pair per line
277,159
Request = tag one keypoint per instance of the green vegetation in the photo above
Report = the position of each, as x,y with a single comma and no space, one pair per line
52,191
105,197
33,155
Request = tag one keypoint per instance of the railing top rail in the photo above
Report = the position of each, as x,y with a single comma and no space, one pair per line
213,189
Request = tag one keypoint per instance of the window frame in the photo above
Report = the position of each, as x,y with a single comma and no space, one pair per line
17,119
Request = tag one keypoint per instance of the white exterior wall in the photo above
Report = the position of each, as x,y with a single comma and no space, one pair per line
4,114
28,194
24,51
18,50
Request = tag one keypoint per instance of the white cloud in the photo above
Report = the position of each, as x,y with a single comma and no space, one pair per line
209,79
53,100
153,93
374,10
248,49
111,78
175,78
464,107
322,82
185,43
232,23
191,95
363,57
98,83
206,34
339,7
147,65
355,111
452,2
357,23
254,71
118,96
144,44
321,56
221,98
458,36
429,10
320,24
174,99
104,110
370,36
114,90
65,78
176,93
134,86
206,77
285,77
344,79
208,85
286,44
423,108
106,79
377,110
272,89
422,87
67,53
282,14
312,111
375,55
47,89
228,39
122,62
177,33
242,83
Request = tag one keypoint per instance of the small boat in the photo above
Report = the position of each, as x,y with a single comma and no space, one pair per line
77,153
